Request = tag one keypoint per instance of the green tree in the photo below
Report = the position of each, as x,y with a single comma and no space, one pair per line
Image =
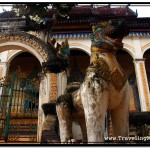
41,13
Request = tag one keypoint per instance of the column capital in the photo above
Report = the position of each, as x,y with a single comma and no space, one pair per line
4,63
135,37
139,60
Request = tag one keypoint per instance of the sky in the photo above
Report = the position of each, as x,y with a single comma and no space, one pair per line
142,9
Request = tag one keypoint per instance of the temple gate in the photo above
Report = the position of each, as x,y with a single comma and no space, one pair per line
18,110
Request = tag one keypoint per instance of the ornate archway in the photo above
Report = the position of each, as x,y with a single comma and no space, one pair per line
46,54
26,42
129,49
145,48
76,72
23,104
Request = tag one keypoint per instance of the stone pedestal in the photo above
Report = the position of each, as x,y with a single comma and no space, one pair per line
50,125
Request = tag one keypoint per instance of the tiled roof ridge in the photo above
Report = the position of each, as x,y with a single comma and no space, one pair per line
87,35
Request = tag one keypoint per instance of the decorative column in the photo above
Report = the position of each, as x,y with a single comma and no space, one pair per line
53,87
4,67
142,84
62,83
47,95
43,98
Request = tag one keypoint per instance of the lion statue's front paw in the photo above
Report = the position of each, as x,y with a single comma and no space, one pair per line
71,141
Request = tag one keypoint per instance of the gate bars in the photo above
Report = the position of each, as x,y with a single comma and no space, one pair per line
18,110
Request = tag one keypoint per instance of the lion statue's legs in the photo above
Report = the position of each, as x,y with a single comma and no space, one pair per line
65,123
64,106
120,117
83,130
95,102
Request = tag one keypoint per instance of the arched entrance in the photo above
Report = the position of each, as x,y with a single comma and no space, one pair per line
46,53
24,42
126,62
26,65
79,61
20,97
146,56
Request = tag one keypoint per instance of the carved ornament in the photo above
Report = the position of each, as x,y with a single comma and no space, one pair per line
102,66
28,40
114,76
117,79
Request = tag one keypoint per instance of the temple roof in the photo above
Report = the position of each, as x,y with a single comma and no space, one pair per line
103,11
87,11
80,22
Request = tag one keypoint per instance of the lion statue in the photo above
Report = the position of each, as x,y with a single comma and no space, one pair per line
105,88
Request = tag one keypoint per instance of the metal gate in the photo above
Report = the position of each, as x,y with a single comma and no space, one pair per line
18,110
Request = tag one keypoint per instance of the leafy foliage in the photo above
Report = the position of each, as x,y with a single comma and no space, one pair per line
63,9
34,11
38,12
